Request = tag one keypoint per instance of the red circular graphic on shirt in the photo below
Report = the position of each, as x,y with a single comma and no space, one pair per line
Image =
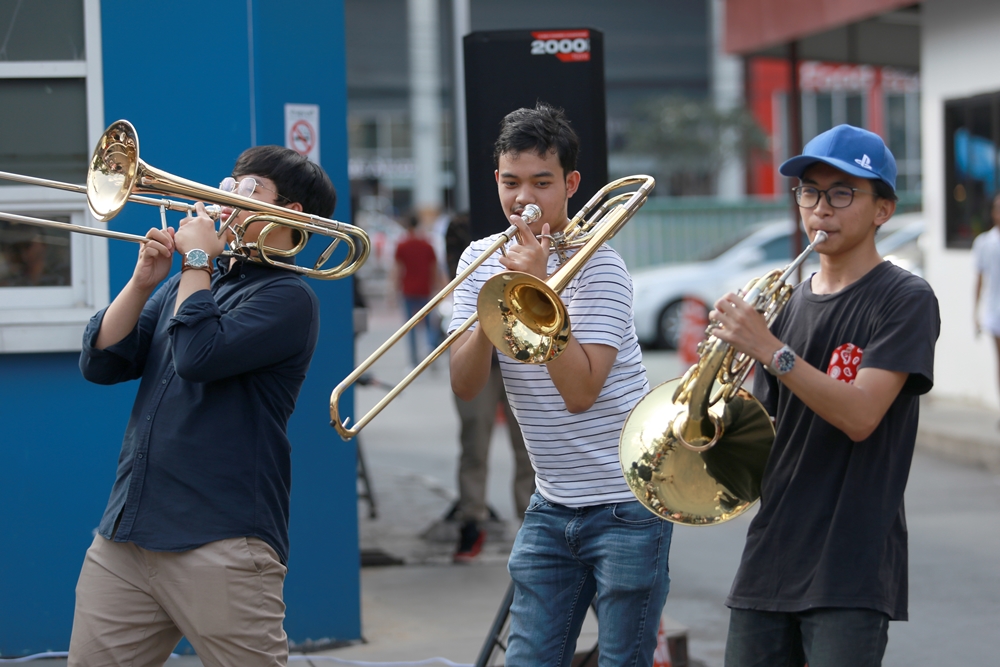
844,363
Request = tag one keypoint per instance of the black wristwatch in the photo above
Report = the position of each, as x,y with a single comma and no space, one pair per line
782,361
196,258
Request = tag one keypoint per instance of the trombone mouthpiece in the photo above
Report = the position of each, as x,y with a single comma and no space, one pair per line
531,213
819,238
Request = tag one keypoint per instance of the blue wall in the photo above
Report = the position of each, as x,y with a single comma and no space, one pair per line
183,78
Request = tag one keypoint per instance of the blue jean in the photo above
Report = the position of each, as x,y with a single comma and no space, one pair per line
431,324
828,637
562,557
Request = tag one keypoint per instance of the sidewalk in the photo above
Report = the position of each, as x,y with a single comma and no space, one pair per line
965,433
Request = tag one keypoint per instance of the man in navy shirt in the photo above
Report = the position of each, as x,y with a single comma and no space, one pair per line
194,540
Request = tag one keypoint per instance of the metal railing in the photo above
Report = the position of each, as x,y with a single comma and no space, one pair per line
683,229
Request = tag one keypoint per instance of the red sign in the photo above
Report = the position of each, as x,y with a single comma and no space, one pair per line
303,137
569,46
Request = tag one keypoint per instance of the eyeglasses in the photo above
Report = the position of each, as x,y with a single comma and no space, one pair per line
839,196
245,187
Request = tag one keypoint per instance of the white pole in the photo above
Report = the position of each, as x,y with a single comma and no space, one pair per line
425,106
462,25
727,91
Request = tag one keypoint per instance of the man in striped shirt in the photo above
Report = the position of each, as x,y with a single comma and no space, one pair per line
584,533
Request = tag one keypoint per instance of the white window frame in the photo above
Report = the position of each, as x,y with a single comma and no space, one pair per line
52,319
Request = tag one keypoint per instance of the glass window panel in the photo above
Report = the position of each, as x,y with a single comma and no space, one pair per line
399,137
41,30
855,109
34,256
363,137
896,125
43,128
824,112
970,168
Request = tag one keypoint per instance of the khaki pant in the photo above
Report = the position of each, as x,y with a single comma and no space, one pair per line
134,605
477,417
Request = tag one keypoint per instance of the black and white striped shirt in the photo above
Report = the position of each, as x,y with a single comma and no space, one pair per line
575,456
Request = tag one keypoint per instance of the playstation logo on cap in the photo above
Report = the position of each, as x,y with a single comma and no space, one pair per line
840,147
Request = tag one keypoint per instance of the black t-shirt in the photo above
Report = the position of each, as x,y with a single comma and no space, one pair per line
831,529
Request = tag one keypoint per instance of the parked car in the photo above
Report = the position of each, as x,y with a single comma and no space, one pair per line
660,291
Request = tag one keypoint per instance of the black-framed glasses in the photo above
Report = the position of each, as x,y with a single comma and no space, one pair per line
246,186
839,196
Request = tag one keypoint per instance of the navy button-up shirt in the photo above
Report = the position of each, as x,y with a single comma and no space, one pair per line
206,455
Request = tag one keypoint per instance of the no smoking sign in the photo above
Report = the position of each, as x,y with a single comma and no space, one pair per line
302,129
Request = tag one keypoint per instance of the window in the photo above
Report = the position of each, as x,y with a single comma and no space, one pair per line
822,110
51,115
972,134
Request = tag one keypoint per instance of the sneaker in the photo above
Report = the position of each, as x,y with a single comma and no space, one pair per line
470,543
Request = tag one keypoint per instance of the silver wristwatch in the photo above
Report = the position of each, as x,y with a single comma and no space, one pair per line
782,361
196,258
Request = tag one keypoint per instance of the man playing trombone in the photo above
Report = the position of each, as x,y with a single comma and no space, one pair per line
194,540
584,534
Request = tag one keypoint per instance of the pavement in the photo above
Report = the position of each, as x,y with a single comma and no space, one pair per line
420,608
428,607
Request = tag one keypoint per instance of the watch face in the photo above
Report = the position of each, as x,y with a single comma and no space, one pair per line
196,258
785,360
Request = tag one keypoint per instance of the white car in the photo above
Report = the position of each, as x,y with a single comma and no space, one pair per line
660,291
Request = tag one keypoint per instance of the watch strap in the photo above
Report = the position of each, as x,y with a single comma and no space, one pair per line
207,266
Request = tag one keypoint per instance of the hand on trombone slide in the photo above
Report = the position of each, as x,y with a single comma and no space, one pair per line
198,231
155,257
528,254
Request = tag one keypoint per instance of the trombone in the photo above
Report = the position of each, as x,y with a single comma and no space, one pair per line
522,316
116,176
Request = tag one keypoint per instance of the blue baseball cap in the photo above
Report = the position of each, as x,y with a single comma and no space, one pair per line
858,152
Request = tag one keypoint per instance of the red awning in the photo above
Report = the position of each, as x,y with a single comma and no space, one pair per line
755,25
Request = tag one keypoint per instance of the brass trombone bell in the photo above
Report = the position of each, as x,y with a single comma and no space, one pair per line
523,316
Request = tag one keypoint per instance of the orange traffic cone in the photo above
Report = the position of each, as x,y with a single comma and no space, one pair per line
694,321
661,656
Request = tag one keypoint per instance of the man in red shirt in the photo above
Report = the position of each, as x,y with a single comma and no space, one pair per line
417,278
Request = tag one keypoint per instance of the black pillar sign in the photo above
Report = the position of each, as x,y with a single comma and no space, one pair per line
509,69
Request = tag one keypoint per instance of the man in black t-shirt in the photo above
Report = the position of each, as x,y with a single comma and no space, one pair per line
825,564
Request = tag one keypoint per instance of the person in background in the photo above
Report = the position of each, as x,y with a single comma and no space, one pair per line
477,419
417,277
986,255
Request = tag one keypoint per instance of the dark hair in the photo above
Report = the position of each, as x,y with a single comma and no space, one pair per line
883,190
544,129
296,178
